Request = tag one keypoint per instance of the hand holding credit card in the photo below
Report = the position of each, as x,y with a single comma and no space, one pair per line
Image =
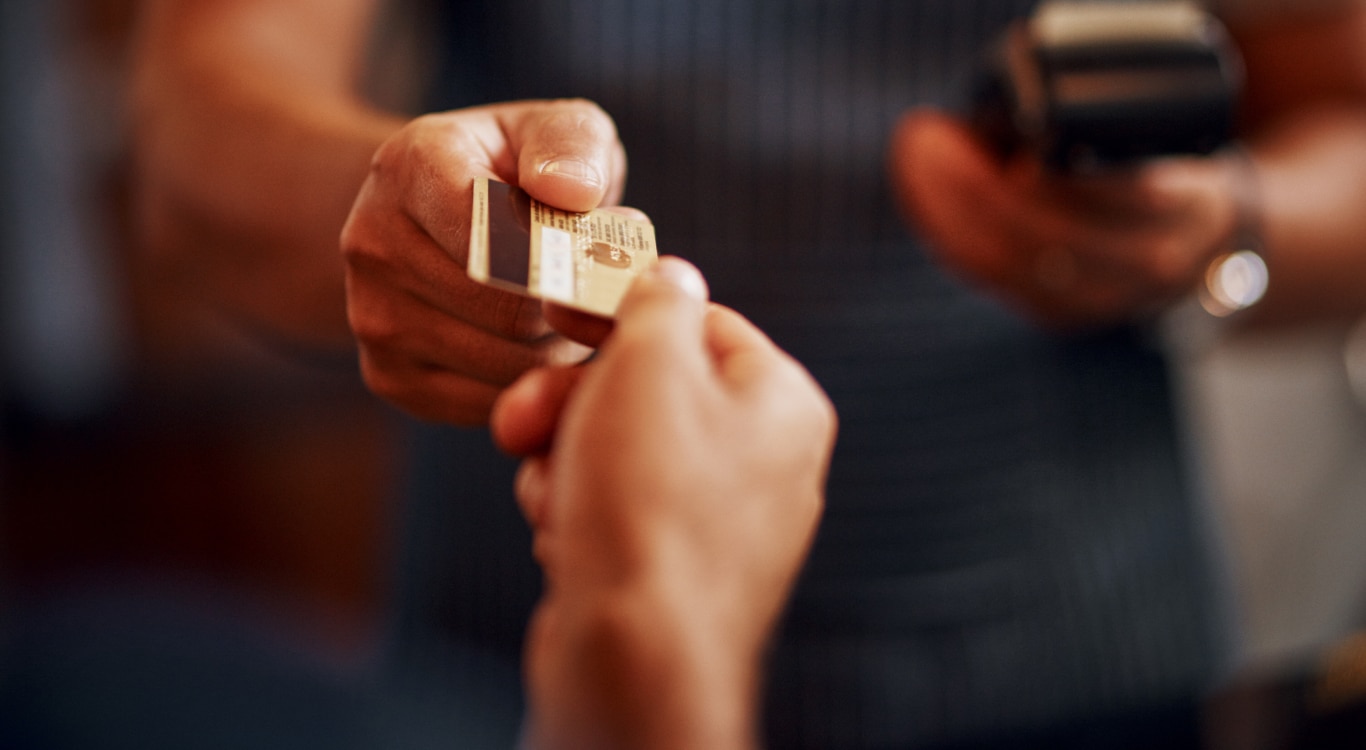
585,261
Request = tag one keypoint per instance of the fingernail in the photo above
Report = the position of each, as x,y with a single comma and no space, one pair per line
574,169
682,275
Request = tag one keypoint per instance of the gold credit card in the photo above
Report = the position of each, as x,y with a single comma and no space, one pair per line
580,260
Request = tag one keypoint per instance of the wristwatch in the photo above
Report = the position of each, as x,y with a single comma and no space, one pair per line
1234,282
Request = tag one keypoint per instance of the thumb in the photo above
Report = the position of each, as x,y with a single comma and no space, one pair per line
568,153
671,286
663,310
527,413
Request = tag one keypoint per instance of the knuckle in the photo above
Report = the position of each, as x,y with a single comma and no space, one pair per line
357,241
374,332
826,418
420,146
820,417
374,326
423,402
378,380
434,133
393,153
794,401
585,115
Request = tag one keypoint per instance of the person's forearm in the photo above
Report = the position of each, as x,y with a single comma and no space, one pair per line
1311,171
250,146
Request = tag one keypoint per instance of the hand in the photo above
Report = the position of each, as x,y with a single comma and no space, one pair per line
1069,251
673,486
432,341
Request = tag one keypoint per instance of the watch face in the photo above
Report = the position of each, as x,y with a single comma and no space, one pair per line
1234,282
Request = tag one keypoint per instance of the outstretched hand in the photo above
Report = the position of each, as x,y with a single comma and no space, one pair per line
432,341
1071,252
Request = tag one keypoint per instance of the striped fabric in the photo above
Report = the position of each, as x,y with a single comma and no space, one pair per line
1010,543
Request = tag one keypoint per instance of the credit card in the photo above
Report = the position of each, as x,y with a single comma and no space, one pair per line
581,260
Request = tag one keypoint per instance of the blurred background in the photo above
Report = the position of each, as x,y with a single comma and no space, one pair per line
152,453
146,445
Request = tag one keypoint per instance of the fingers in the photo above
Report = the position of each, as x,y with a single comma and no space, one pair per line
663,309
426,173
738,348
1070,251
568,153
526,414
671,289
659,326
576,325
563,152
729,333
952,189
433,341
1137,239
429,394
753,366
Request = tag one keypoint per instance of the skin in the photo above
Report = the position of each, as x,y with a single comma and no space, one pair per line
249,150
246,188
1083,252
431,340
254,151
663,583
254,148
